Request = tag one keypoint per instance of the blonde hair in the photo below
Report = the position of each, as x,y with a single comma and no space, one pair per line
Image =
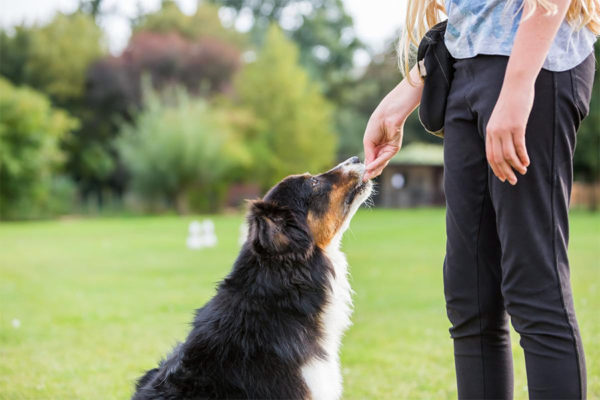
423,14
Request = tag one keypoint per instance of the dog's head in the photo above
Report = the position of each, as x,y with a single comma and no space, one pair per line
304,211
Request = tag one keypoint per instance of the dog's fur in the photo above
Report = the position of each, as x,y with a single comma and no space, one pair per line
273,329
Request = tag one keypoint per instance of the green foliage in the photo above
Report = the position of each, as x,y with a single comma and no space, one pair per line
295,120
327,43
54,59
14,52
60,53
204,23
91,7
30,157
285,118
357,99
179,149
322,30
351,126
173,48
587,154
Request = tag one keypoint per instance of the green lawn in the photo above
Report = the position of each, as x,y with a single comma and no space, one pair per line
101,300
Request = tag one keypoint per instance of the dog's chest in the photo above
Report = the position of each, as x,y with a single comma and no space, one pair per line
323,376
336,316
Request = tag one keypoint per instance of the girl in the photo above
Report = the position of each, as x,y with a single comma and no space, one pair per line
522,84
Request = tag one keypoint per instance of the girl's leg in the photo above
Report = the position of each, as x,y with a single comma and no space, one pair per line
532,222
472,273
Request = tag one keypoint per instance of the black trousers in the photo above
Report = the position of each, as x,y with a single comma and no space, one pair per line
506,249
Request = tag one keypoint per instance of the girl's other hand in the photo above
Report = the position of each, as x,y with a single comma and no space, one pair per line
505,132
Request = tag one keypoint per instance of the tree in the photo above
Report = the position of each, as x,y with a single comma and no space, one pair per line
587,154
295,120
91,7
205,64
204,67
172,48
30,156
14,52
358,99
324,33
327,43
205,22
59,56
322,29
54,59
179,149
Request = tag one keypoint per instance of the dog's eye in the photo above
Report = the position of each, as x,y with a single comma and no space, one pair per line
314,182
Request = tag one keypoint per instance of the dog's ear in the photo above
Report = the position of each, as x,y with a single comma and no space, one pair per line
274,230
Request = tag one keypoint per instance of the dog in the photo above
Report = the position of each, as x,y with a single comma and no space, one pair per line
274,328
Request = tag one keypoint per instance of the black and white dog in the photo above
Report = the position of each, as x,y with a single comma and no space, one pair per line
273,330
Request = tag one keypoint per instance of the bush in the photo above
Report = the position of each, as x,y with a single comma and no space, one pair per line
30,157
180,153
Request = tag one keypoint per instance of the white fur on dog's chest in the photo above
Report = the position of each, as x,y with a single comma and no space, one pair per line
323,376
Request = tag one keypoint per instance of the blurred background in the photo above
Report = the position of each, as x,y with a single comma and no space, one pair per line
123,121
190,106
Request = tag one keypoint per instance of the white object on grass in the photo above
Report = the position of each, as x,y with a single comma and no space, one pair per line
201,235
243,233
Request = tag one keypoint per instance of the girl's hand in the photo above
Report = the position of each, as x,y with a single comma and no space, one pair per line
505,132
382,140
383,136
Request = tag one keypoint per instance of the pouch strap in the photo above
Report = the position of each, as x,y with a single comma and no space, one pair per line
422,69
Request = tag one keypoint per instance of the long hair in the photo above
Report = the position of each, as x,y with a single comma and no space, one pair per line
423,14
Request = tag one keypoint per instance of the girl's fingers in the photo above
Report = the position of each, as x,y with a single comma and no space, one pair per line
509,174
501,163
490,154
520,148
375,173
370,140
510,156
382,157
369,151
376,166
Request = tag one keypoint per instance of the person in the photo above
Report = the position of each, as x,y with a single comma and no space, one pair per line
523,75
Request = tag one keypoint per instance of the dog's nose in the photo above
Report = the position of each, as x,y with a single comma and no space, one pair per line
352,160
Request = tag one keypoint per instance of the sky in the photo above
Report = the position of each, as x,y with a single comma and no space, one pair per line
376,21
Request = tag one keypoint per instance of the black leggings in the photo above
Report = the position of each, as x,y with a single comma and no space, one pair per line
506,251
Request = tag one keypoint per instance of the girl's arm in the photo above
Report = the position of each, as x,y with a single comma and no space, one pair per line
505,132
383,135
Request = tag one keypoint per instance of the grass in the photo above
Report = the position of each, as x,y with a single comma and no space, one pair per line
101,300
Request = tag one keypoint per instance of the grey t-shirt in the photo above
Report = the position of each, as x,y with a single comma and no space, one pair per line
489,27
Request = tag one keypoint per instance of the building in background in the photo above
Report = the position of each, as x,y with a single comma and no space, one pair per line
413,178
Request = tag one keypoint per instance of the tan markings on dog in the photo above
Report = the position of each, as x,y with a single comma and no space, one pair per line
324,227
